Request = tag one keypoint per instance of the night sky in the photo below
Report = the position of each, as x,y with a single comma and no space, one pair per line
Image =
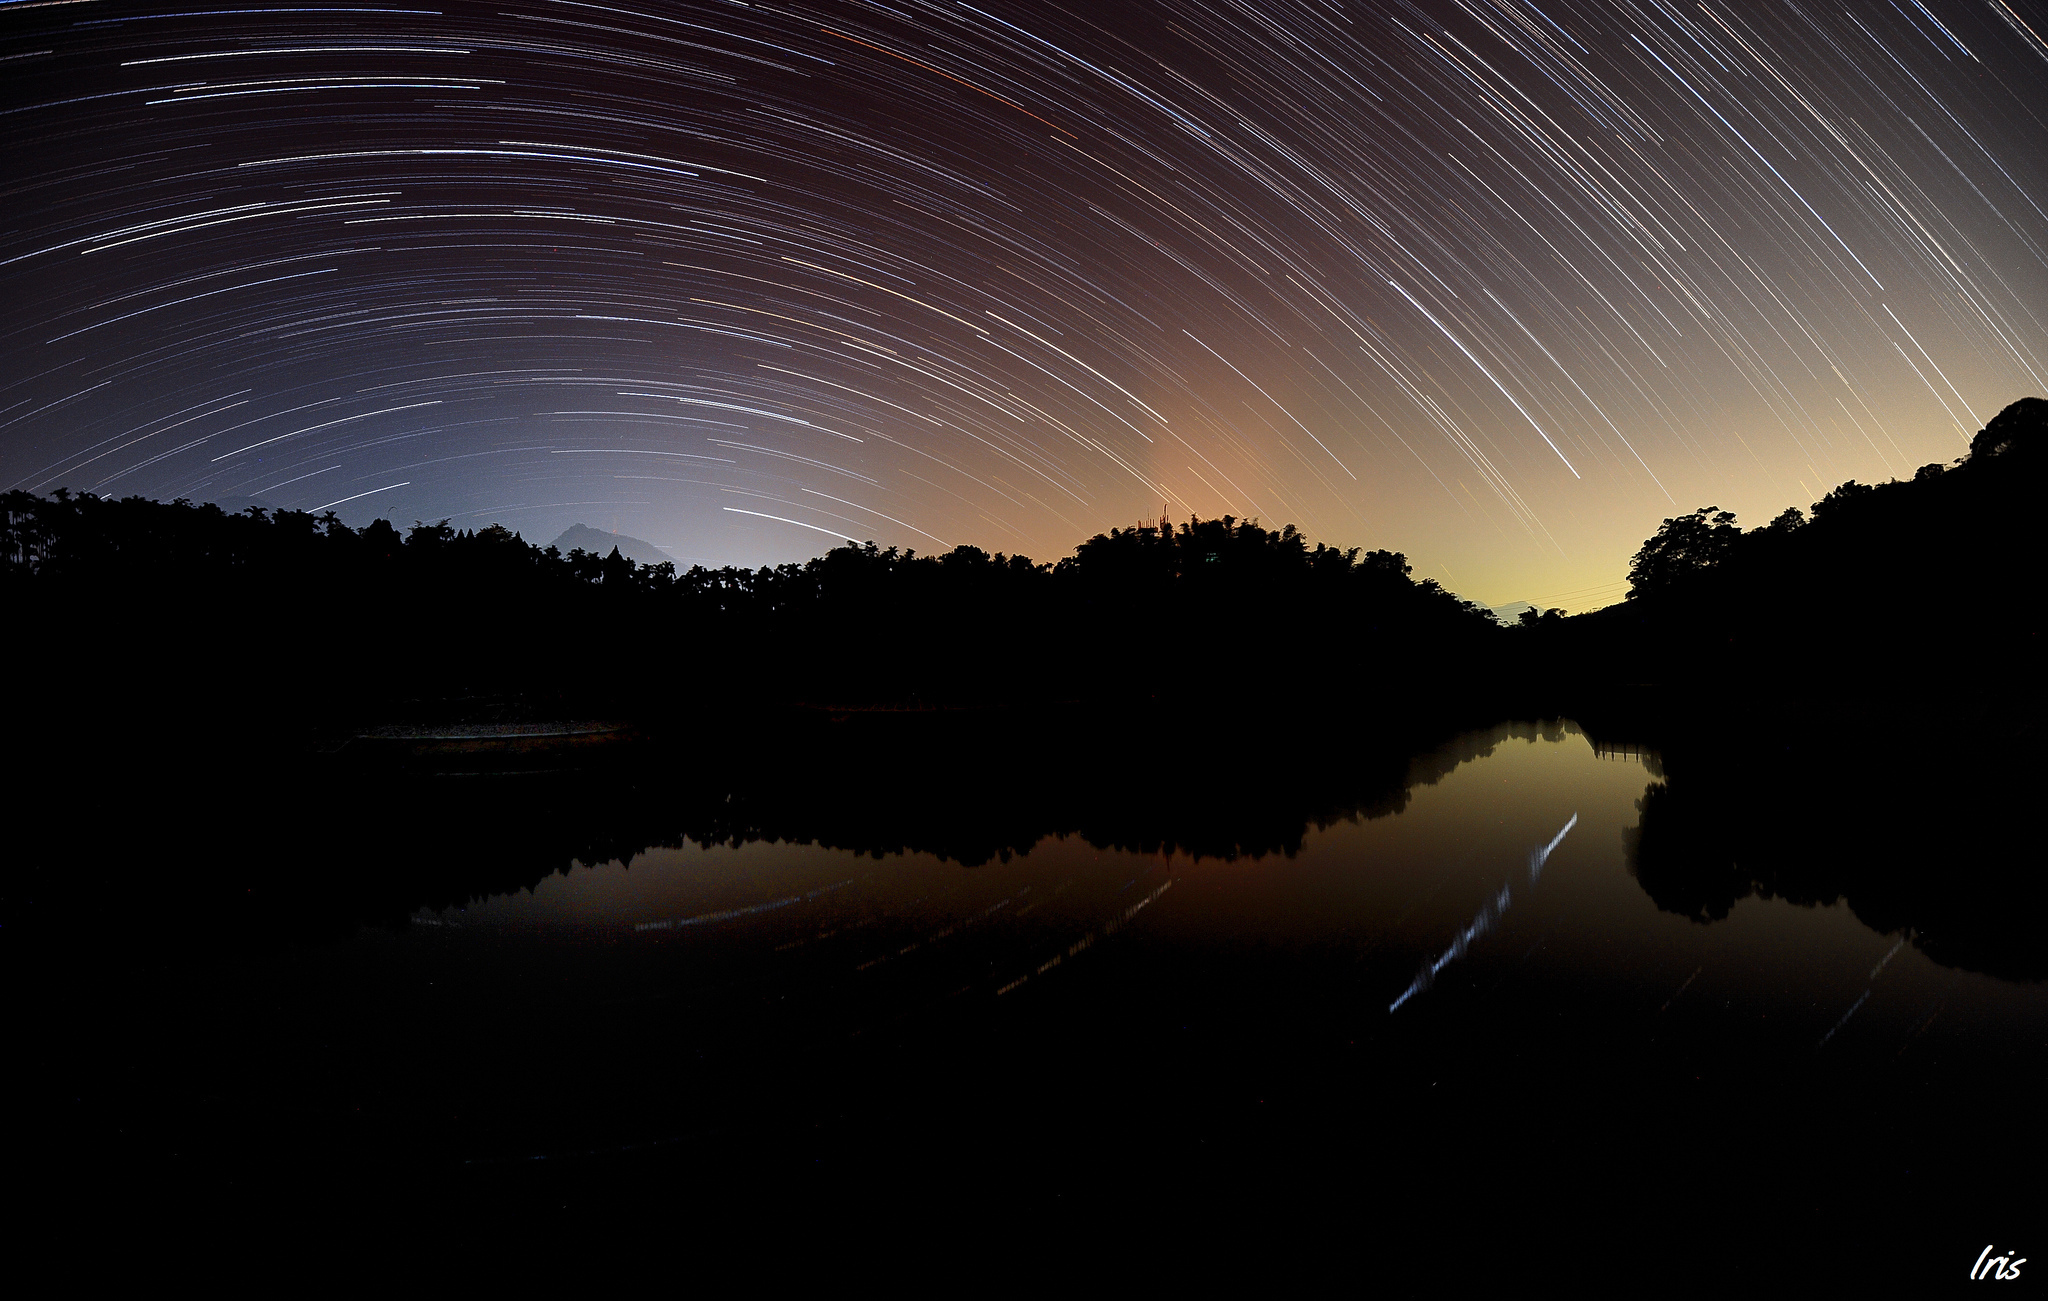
1496,284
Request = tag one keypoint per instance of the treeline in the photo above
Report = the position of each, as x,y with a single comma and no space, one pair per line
1889,595
1913,596
134,604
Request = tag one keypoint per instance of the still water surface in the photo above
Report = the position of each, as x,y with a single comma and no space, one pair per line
1463,994
1507,878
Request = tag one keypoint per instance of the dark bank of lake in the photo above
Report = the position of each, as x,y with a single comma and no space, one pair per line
1452,1019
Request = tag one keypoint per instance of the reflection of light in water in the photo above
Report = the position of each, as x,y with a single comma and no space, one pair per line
1489,916
1918,1030
1874,971
1844,1021
1109,928
677,923
1680,990
981,916
1538,857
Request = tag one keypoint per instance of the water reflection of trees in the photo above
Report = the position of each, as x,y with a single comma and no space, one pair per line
1227,800
1919,836
316,845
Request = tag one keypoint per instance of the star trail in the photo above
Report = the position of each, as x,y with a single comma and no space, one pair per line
1493,283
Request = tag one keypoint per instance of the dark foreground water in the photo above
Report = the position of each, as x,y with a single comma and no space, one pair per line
1452,1031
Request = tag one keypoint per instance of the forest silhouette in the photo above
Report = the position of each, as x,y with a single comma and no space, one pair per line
248,750
1827,691
138,607
1917,594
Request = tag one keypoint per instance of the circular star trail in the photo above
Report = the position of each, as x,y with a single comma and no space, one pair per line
1497,284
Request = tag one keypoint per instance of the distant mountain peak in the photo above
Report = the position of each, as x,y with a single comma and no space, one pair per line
599,542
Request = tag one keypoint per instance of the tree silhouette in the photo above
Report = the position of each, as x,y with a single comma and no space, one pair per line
1683,548
1906,590
1160,611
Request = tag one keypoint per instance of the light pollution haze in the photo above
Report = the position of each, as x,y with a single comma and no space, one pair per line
1496,284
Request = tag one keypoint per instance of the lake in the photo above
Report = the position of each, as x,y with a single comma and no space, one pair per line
1443,1016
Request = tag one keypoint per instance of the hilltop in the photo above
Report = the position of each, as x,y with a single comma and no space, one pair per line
1896,596
581,537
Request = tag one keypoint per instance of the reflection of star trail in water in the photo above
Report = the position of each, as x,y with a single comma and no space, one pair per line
1481,925
1107,929
729,914
1538,857
948,931
1853,1008
1495,283
1875,972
